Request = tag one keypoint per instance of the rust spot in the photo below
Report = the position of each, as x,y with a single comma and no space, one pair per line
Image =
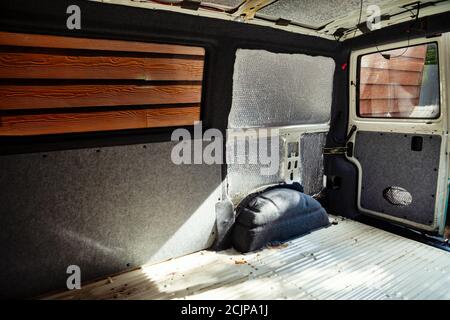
243,261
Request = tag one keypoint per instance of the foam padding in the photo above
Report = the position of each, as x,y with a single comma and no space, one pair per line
277,214
105,210
387,160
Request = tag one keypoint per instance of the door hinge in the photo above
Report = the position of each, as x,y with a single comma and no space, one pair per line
335,150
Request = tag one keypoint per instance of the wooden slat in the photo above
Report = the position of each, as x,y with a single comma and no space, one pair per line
383,106
375,91
94,64
169,117
38,124
46,41
69,96
56,66
19,125
385,76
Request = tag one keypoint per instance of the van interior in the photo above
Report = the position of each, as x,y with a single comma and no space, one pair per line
224,149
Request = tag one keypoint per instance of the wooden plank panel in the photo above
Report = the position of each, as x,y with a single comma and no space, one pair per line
170,117
53,66
46,41
38,124
375,91
21,125
384,76
400,63
383,106
69,96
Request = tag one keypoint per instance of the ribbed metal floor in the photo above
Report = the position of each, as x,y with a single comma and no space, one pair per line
349,260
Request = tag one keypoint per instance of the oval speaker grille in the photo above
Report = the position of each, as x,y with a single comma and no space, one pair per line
397,196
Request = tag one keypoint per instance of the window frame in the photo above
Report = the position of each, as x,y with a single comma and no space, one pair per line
358,82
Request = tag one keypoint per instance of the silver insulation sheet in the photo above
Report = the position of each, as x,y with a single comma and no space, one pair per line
243,174
224,3
314,13
277,89
244,177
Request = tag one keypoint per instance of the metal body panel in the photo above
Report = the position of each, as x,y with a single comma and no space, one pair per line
436,127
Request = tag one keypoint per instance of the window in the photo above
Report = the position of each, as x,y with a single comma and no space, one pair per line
54,85
400,83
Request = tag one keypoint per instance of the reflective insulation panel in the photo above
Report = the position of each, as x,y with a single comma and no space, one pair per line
224,3
300,160
244,174
313,13
277,89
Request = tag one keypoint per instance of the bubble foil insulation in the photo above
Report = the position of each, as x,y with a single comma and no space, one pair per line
243,174
277,89
313,13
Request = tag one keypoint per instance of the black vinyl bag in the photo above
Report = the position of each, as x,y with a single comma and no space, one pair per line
275,215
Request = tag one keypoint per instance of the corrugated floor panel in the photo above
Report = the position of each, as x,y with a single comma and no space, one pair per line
349,260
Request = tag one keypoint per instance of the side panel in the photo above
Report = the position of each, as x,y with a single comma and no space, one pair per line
105,210
388,161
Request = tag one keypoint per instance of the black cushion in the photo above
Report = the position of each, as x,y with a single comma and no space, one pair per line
274,215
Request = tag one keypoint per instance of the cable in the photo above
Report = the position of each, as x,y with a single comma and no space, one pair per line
359,19
416,18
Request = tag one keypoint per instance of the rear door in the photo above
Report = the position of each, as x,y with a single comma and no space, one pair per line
398,112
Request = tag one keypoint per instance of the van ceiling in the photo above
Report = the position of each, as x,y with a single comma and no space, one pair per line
332,19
